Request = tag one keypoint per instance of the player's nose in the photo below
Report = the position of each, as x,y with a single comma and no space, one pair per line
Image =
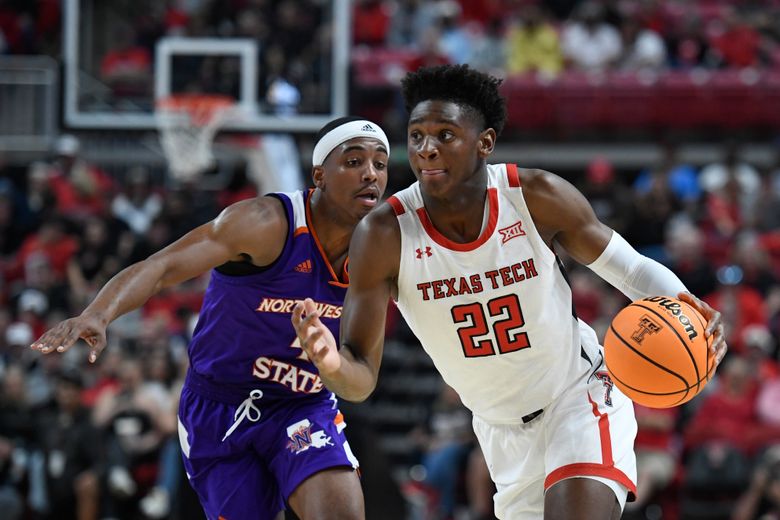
427,148
370,173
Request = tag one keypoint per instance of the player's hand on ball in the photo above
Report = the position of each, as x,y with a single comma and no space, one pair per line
63,335
714,327
315,338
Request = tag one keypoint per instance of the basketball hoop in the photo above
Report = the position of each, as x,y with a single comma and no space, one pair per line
187,124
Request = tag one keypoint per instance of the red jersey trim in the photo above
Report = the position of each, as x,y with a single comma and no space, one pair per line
590,469
492,197
313,232
606,469
398,207
513,175
300,231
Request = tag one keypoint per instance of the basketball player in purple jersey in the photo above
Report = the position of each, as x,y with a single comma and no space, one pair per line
468,254
257,428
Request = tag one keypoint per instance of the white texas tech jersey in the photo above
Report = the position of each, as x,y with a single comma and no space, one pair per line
496,314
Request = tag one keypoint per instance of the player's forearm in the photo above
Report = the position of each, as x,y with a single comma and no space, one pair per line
354,380
633,274
128,290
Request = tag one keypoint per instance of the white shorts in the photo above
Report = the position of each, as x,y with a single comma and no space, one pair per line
587,432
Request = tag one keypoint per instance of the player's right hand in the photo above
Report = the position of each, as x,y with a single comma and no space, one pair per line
315,338
63,335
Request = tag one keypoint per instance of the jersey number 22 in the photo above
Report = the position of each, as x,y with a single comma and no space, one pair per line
507,338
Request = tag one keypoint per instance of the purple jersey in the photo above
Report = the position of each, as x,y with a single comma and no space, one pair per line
244,339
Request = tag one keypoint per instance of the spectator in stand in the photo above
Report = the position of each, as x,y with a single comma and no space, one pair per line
728,413
32,306
81,189
488,52
446,447
740,305
39,196
239,187
533,44
688,45
681,177
762,498
71,450
410,20
15,219
609,197
159,235
127,66
93,264
734,42
138,205
431,53
766,212
760,353
656,448
684,246
15,433
105,377
643,48
454,40
653,208
51,244
732,186
137,423
370,21
589,43
752,258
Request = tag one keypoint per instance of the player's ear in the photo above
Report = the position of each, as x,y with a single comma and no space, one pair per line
318,176
487,141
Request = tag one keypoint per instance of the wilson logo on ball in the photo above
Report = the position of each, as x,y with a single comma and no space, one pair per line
675,310
647,326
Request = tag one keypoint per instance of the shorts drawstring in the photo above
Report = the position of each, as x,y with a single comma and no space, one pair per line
246,410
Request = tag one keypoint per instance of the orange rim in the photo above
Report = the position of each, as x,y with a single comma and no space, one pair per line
201,108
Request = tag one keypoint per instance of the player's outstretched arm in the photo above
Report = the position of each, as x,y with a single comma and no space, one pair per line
562,214
252,230
374,254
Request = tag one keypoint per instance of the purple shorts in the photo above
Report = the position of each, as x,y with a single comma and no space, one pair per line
245,459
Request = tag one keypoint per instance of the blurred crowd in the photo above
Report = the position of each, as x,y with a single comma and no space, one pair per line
548,36
78,439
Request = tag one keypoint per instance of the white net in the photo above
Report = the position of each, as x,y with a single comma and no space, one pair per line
187,126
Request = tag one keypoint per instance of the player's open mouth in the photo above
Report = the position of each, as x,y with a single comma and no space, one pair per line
369,196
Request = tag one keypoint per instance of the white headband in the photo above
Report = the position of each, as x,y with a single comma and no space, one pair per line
343,133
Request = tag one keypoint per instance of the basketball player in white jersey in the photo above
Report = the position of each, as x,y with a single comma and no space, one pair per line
468,254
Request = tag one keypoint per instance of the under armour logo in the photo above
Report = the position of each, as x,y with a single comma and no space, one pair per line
367,128
427,252
646,326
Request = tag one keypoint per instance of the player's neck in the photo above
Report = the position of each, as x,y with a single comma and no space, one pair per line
333,234
459,217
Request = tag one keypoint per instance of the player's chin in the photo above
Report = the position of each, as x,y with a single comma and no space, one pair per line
361,208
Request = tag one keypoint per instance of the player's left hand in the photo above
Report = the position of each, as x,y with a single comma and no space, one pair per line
315,338
714,327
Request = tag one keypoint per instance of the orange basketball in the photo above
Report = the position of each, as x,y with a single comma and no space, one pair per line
656,352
